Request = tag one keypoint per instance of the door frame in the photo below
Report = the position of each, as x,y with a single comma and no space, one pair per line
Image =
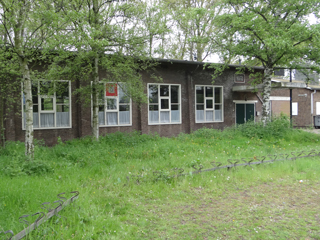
244,102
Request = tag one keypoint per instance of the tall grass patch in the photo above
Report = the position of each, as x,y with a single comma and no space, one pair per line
128,189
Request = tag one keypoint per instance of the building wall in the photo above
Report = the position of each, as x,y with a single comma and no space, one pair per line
303,98
185,74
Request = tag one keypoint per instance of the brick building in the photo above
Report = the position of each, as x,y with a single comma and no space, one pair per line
186,100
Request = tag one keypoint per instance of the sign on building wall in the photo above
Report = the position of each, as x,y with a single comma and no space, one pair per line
318,108
294,109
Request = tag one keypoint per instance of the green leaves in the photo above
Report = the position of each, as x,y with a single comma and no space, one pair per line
270,31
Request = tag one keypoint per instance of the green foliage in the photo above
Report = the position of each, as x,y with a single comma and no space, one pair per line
193,34
18,166
273,32
277,128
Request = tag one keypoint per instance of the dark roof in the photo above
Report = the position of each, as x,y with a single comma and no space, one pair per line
161,60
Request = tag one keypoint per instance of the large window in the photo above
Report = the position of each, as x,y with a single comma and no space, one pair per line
164,103
209,104
114,106
51,104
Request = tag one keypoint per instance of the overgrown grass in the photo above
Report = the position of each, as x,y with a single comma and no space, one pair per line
263,202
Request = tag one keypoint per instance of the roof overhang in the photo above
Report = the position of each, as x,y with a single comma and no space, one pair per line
277,85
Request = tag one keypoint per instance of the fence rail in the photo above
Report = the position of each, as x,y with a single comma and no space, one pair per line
52,209
178,172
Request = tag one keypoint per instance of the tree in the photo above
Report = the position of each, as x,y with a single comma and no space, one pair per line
193,29
103,35
27,25
9,70
156,22
273,32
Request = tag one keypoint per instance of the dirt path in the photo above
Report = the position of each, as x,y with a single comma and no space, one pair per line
317,131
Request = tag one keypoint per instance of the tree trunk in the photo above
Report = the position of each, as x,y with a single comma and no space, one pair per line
27,86
95,83
266,95
95,100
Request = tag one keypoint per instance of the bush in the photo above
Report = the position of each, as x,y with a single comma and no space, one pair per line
20,166
277,128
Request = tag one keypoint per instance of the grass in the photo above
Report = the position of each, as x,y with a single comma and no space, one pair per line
263,202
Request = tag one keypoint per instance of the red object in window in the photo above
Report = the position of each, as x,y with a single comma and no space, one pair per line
111,89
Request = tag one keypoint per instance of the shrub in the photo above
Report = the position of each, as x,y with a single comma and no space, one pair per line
19,166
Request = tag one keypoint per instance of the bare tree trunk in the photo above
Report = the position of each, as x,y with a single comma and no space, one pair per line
95,84
27,86
95,100
266,95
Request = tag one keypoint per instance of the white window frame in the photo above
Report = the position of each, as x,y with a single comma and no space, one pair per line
112,110
169,102
213,102
48,111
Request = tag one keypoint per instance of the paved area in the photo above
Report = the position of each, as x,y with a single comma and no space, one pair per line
317,131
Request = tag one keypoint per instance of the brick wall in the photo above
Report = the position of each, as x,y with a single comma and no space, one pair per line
303,98
185,74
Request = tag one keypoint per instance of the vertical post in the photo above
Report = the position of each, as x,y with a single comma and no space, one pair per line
290,98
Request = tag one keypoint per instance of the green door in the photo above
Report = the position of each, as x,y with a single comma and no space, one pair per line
244,112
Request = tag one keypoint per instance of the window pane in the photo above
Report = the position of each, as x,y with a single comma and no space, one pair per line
101,118
112,118
62,92
46,88
209,116
154,116
153,94
175,115
101,108
209,103
47,119
123,98
165,117
62,119
47,104
35,120
124,117
112,104
164,90
62,108
174,107
218,115
174,94
101,92
200,115
35,108
217,95
200,94
164,103
153,107
124,107
200,107
209,91
34,93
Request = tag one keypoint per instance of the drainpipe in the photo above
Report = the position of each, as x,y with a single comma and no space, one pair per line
290,98
312,104
312,101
